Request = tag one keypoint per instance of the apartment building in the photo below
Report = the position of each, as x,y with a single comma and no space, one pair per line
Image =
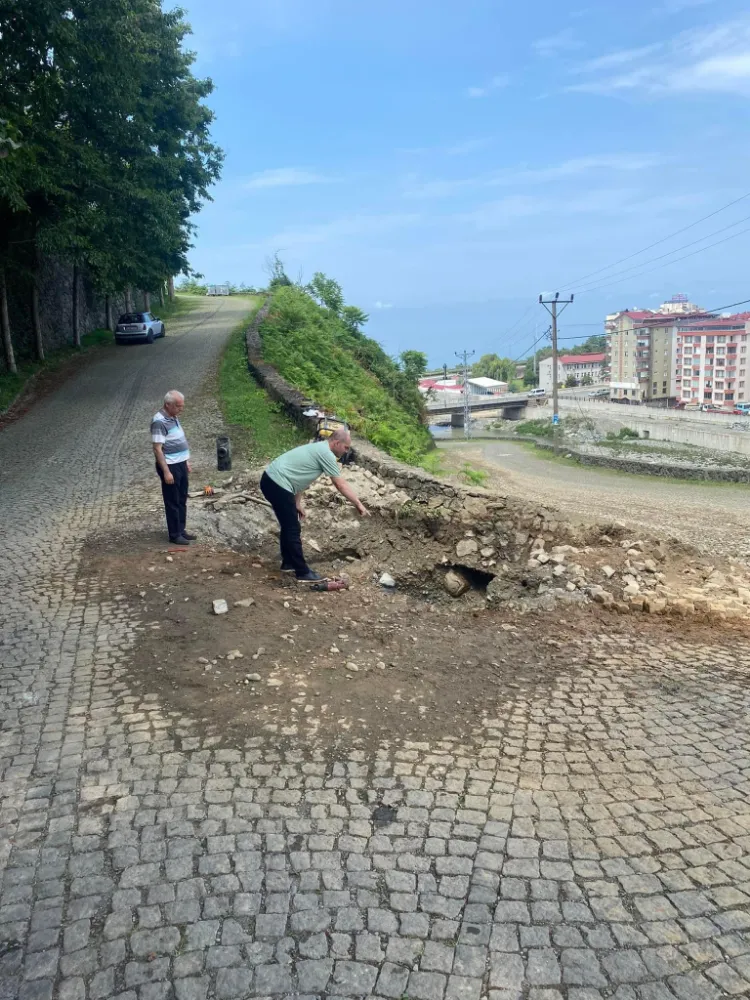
711,359
642,355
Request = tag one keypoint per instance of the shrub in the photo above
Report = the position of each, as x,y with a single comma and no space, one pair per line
345,372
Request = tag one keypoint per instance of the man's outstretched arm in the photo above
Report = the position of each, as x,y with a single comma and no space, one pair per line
346,491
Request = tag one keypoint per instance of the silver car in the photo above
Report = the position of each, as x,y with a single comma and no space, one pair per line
138,326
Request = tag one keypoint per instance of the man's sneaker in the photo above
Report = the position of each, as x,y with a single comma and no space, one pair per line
286,568
179,541
310,577
190,538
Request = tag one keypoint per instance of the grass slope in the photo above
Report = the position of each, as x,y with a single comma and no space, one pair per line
344,372
260,429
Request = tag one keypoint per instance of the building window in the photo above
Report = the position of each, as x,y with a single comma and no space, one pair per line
743,338
742,385
721,340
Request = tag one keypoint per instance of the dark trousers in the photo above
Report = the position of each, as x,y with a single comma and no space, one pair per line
285,509
175,498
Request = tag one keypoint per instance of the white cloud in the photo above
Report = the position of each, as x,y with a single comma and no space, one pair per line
576,167
709,60
284,177
552,45
383,305
496,83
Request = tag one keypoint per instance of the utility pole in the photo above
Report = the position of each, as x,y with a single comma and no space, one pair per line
464,356
552,307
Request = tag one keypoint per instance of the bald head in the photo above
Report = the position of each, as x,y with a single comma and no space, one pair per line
340,442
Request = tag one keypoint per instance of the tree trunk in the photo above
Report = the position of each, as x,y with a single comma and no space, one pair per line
147,301
108,312
76,310
128,299
35,318
170,286
161,293
10,358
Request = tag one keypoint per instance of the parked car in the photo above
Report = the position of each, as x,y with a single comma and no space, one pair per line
138,326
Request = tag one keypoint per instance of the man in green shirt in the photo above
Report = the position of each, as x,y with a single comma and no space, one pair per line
287,478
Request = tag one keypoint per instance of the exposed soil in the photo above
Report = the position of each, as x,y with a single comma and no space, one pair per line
359,666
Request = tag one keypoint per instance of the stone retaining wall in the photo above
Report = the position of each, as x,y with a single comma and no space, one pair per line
55,283
664,470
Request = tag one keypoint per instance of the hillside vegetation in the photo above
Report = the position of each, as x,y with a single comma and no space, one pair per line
316,343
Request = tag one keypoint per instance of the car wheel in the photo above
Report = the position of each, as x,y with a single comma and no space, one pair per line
163,330
150,337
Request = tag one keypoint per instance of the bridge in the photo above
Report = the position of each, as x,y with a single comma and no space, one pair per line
512,405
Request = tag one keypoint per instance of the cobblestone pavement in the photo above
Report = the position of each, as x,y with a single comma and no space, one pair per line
592,841
674,507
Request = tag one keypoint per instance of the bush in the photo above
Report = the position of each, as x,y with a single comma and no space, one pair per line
537,428
345,373
624,434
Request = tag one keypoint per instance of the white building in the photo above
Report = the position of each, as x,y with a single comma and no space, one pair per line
483,386
578,365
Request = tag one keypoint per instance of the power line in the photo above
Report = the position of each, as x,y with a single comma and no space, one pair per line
664,239
669,253
465,355
658,267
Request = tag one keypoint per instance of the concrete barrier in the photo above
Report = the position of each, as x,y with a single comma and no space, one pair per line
663,425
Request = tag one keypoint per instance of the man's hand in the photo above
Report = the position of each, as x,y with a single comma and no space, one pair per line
363,511
168,478
301,513
189,467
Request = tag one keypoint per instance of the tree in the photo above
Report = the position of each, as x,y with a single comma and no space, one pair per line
354,318
587,380
530,376
327,292
113,149
414,364
571,382
492,366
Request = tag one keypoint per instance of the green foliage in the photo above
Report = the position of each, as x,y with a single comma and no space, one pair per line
530,377
278,276
414,364
190,286
345,372
571,382
260,428
111,152
624,434
477,477
432,462
492,366
587,380
536,428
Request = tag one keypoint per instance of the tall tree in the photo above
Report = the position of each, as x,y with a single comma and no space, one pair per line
414,364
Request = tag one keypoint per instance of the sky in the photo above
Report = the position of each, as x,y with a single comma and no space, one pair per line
449,161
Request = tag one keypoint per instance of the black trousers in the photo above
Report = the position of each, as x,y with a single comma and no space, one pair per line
175,498
285,509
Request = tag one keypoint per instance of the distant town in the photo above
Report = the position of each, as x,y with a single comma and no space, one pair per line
678,355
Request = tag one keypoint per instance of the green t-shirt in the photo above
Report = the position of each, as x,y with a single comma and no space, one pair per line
296,469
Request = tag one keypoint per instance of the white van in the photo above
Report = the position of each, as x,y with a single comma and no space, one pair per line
537,392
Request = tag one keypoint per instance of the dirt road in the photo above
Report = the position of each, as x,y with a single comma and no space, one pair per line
715,518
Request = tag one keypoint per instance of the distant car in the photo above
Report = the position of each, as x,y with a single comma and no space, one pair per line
536,392
599,392
138,326
739,411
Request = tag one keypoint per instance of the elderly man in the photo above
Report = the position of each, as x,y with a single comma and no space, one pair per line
172,464
283,484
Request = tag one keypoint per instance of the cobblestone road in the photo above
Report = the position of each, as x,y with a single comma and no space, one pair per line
593,841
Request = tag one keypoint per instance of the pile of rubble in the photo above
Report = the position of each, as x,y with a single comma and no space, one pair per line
489,549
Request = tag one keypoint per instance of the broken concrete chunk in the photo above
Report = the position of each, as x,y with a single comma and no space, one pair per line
466,546
244,603
220,607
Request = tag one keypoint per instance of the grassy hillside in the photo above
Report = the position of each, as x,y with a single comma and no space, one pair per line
260,429
329,358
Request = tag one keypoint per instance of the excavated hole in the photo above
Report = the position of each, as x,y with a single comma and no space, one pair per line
478,578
